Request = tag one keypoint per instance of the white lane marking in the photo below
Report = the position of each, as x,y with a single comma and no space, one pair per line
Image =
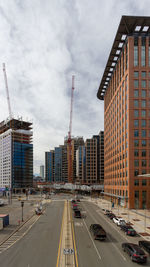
92,240
109,238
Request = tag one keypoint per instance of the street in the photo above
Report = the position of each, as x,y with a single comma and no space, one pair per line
39,247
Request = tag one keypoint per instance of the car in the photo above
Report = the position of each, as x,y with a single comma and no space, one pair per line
129,230
77,214
119,221
75,207
106,212
145,244
135,252
73,201
111,215
78,200
98,232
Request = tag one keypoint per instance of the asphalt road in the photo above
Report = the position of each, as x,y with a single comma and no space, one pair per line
96,253
39,247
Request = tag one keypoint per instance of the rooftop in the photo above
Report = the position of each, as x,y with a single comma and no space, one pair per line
15,125
129,25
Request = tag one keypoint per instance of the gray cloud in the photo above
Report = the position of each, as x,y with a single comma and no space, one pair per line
43,43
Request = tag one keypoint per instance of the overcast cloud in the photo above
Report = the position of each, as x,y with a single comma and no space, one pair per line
44,42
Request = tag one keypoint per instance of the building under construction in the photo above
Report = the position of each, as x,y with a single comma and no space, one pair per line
16,154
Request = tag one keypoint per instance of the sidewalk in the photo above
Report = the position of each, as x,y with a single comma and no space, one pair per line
15,212
139,219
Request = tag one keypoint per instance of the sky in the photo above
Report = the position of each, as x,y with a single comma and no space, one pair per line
43,43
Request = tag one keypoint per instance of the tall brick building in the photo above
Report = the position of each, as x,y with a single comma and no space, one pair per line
125,89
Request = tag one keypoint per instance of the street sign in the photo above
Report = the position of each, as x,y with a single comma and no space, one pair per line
68,251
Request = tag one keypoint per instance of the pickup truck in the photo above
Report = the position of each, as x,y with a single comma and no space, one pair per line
98,232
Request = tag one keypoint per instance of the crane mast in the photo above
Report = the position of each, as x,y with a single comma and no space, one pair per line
7,91
70,178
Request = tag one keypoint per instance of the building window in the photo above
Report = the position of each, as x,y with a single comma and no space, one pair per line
136,133
143,93
143,103
143,123
144,182
136,113
143,153
144,162
143,171
143,74
136,103
136,182
136,83
136,58
143,113
143,133
136,143
136,123
136,172
136,74
136,163
143,58
143,142
136,153
136,93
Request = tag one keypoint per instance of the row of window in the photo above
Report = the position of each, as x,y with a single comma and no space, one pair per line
141,112
143,123
143,182
143,83
143,103
143,74
143,162
143,143
143,133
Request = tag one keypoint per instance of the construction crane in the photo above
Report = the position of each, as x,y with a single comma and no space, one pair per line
70,178
7,92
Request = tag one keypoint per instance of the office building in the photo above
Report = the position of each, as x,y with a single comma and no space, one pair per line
42,171
80,165
58,164
16,154
125,89
64,163
49,166
76,142
101,157
91,147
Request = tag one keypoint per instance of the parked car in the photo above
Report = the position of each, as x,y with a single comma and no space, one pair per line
145,244
135,252
129,230
111,215
119,221
106,212
73,201
98,232
77,214
75,207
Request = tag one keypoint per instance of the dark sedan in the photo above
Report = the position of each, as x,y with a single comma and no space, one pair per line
135,252
98,232
128,230
145,244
